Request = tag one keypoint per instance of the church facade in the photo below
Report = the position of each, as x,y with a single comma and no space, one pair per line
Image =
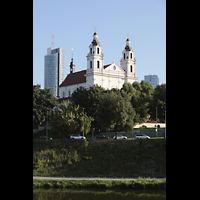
107,76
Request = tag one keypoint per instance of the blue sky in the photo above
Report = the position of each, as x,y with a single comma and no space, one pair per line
73,22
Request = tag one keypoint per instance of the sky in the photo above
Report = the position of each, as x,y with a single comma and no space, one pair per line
73,25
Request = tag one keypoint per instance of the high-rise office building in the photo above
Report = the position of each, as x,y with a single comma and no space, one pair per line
54,69
153,79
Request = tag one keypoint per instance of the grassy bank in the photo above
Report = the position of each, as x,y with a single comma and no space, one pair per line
103,184
100,158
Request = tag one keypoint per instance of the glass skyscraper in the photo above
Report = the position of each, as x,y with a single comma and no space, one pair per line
54,69
153,79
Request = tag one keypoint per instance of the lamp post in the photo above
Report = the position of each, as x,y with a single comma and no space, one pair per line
83,122
47,128
132,132
156,121
165,123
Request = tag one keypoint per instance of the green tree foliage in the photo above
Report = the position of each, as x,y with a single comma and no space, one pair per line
67,119
159,101
140,97
90,100
118,110
115,112
43,102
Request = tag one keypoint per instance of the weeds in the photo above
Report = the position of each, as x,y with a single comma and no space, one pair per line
103,184
100,158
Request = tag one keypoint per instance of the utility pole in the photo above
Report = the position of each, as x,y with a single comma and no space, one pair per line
47,128
132,133
156,121
165,123
83,122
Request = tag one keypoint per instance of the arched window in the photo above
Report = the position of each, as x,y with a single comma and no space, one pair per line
98,50
131,55
90,50
131,68
69,93
97,64
124,55
63,94
90,64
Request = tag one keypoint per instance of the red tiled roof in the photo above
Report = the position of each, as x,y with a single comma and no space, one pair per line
105,66
64,99
74,78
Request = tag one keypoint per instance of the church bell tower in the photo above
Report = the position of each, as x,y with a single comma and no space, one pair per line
128,62
95,56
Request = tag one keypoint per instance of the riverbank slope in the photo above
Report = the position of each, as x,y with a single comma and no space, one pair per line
100,158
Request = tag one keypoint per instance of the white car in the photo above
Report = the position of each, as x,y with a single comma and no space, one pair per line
120,137
142,136
78,137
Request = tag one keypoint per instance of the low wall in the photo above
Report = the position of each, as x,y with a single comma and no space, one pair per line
149,132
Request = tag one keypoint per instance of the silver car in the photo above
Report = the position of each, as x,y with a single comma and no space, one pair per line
78,137
142,136
120,137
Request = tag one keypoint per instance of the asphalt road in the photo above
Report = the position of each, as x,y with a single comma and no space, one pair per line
88,178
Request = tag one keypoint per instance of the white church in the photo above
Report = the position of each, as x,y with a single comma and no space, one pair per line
107,76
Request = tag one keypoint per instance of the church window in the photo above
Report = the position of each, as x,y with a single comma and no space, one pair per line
63,94
90,64
69,94
97,50
98,64
131,55
124,55
90,50
131,68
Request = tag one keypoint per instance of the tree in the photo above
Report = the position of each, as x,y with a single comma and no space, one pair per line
43,103
67,119
90,100
115,113
140,96
159,101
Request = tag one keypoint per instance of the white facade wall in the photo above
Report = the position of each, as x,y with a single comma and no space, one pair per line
66,91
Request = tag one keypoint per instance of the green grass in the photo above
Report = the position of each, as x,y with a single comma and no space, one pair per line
100,158
103,184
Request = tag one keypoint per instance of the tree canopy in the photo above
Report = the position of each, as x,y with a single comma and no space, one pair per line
43,102
119,109
115,113
67,119
105,110
159,101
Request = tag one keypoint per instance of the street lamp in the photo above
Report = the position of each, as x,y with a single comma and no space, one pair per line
156,121
47,128
132,132
165,123
83,122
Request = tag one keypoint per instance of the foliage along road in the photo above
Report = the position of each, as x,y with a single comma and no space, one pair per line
91,178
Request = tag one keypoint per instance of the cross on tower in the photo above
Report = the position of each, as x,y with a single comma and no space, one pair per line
72,53
127,35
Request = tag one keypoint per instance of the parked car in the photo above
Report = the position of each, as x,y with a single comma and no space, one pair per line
142,136
44,138
120,137
101,137
77,137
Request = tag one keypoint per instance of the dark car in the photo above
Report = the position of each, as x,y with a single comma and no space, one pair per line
101,137
44,138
